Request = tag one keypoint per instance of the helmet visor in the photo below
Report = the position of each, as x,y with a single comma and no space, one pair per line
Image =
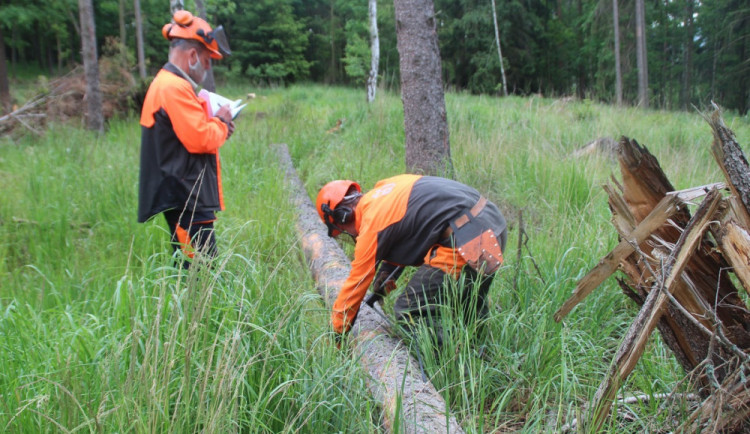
220,36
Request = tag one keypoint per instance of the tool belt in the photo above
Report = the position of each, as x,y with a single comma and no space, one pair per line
479,246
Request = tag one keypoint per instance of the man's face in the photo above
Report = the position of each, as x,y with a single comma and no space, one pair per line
199,63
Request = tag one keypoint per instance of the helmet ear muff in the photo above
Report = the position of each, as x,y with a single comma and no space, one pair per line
334,217
343,214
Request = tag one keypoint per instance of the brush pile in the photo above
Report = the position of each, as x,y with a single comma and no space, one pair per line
63,99
685,270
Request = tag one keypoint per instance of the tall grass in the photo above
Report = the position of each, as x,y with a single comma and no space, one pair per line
100,332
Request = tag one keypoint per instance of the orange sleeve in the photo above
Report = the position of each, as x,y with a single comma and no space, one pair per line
378,208
199,133
353,291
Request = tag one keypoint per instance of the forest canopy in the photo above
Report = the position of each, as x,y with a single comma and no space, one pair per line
696,51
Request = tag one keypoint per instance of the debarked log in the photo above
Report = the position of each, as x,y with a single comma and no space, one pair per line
394,376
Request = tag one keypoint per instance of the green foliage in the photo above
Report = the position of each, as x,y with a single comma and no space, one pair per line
269,42
357,52
99,331
356,61
549,48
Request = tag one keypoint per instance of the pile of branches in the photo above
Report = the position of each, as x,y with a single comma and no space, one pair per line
63,99
685,270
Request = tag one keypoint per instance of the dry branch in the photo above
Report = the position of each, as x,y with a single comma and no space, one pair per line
63,98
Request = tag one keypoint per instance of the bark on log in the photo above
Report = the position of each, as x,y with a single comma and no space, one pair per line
732,161
394,375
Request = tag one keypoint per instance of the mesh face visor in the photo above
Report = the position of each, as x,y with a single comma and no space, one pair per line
220,36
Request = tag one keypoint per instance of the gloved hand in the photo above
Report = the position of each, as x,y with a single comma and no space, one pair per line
380,291
340,339
384,283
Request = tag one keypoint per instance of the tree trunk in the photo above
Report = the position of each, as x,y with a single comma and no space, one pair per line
425,122
209,83
640,40
499,50
175,5
618,65
5,100
582,62
38,47
687,73
372,79
14,50
680,276
50,57
139,39
94,116
59,53
744,85
123,35
332,75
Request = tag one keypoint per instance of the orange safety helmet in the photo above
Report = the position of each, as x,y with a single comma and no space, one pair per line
186,26
329,197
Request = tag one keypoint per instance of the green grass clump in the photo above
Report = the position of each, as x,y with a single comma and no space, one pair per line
99,330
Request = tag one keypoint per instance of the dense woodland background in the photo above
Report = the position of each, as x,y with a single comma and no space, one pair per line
697,51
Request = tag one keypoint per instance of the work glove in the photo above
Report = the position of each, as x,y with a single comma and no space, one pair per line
340,339
384,283
380,291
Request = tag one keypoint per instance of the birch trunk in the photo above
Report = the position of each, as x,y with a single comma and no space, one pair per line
499,50
175,5
372,79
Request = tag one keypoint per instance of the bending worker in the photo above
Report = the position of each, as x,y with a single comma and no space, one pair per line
180,172
444,227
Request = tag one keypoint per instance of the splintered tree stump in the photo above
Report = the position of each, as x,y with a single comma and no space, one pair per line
395,379
706,277
682,271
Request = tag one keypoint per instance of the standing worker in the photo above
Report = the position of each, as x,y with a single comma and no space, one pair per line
180,172
447,229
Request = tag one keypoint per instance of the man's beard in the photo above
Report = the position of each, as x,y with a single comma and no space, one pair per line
197,72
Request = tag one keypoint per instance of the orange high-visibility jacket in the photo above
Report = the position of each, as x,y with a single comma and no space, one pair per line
401,221
180,166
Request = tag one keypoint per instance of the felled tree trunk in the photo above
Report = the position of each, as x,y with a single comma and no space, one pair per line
394,376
